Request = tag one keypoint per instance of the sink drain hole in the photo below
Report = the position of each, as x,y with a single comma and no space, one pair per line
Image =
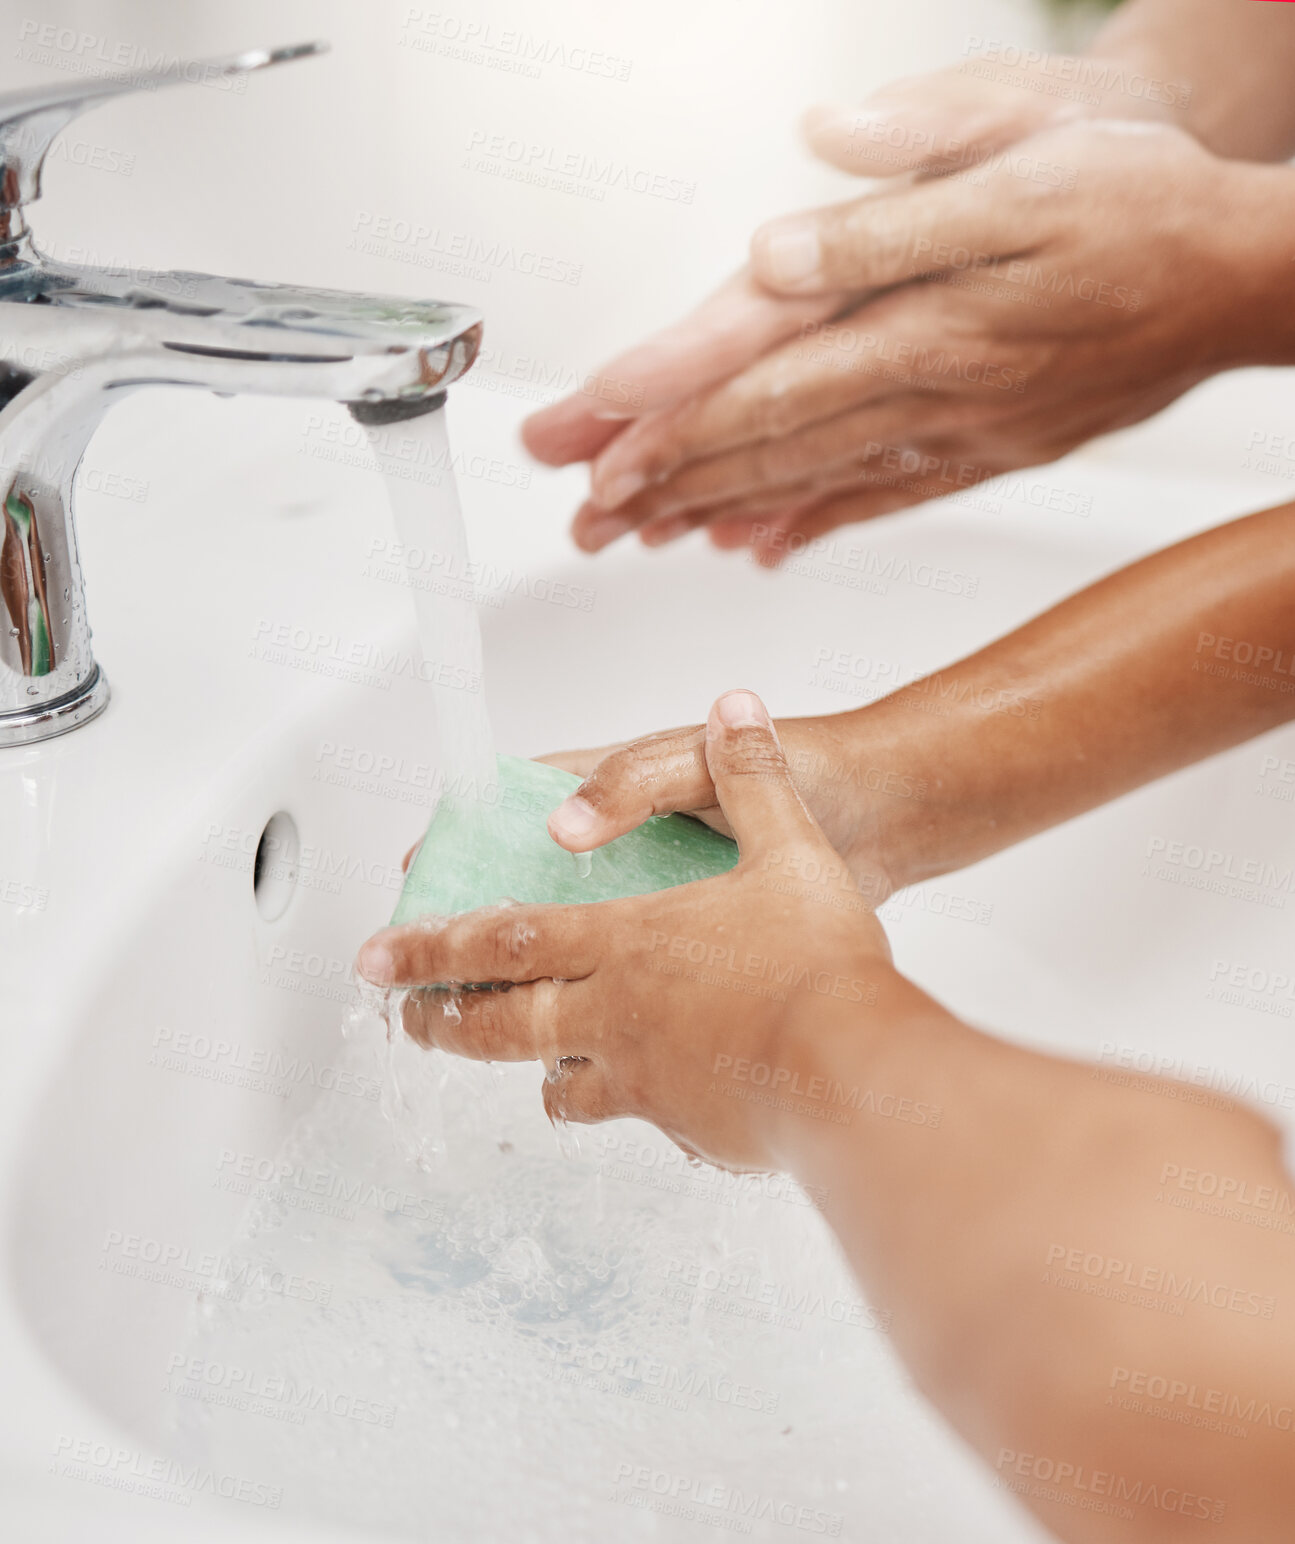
275,868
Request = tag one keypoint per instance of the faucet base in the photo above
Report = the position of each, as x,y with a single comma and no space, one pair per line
78,707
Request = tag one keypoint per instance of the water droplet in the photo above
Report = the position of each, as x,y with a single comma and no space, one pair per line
568,1138
584,864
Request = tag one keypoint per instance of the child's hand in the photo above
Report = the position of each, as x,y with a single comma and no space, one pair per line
668,773
697,1008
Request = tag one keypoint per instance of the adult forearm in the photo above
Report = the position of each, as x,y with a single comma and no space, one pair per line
1013,1213
1236,62
1173,659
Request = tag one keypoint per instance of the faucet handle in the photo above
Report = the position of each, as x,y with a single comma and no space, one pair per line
32,119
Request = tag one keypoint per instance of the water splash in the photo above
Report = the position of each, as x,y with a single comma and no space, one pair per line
514,1324
567,1137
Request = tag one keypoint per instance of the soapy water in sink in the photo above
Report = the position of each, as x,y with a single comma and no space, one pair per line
459,1330
499,1342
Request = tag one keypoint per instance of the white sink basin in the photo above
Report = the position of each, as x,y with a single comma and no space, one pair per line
155,1019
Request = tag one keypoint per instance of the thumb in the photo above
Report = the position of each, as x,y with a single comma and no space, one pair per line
752,779
928,123
947,224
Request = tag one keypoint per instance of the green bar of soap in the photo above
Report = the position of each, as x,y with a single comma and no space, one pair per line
480,852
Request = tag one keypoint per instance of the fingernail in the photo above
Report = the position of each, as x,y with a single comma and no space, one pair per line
375,963
573,819
742,710
791,253
824,115
618,489
840,117
601,533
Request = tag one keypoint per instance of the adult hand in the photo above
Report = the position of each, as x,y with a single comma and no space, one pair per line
923,125
1010,321
653,1006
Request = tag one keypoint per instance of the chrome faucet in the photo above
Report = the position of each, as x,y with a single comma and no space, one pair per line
75,340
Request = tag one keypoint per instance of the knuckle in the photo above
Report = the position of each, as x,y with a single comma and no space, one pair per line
509,940
755,753
605,786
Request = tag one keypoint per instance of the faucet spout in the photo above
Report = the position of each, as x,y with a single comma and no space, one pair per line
78,339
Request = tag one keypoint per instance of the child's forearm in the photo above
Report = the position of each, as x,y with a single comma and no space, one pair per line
1173,659
1016,1216
1228,65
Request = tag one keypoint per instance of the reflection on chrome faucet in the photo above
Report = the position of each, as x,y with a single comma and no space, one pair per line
76,339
